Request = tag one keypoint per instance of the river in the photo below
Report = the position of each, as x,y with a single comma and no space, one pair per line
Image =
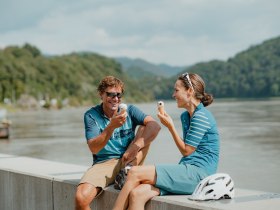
249,130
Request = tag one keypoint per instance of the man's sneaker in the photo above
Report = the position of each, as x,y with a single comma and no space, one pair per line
121,178
127,168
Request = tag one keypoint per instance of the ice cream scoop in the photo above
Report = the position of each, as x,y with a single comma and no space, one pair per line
161,107
122,108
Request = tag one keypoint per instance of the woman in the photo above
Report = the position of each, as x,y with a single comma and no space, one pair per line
199,148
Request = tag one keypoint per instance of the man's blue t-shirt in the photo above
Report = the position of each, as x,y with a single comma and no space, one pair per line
95,122
201,132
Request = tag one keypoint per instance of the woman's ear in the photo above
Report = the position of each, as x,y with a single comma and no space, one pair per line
189,92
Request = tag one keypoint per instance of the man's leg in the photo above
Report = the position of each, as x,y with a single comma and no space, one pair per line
84,196
137,160
141,156
95,179
131,159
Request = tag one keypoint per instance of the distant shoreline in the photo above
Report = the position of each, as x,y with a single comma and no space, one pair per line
14,108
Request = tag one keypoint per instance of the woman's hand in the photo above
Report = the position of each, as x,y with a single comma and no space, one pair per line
166,120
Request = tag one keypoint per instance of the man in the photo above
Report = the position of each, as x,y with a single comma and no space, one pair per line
112,140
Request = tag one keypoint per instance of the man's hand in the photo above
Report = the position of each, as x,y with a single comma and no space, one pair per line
130,153
118,120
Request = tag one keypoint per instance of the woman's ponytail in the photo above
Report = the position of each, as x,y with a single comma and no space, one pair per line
207,99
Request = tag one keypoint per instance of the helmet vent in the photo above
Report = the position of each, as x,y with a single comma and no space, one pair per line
206,184
209,183
219,178
209,191
227,184
226,196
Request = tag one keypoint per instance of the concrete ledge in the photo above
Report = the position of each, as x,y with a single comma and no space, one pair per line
32,184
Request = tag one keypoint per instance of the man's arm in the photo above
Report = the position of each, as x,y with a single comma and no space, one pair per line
150,132
98,143
143,139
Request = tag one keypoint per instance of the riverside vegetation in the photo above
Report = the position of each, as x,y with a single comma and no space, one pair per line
28,75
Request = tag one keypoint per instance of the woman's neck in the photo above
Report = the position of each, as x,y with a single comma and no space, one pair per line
192,106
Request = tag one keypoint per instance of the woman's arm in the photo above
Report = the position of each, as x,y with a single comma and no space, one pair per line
167,121
185,149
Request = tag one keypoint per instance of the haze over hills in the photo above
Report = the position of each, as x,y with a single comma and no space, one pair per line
141,68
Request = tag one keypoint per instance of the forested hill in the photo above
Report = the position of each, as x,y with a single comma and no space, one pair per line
251,73
139,68
25,72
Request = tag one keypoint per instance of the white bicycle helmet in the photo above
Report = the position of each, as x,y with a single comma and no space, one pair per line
214,187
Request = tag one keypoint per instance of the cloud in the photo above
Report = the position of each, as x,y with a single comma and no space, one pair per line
177,32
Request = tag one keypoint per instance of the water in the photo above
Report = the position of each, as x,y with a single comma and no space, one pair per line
249,130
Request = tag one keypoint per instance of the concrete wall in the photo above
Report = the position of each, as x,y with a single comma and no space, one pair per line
22,191
33,184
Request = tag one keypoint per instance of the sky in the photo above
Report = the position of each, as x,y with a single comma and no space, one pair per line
174,32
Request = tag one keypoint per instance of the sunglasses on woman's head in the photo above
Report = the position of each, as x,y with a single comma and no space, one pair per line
186,75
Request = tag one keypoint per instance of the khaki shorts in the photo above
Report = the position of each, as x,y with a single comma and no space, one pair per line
102,174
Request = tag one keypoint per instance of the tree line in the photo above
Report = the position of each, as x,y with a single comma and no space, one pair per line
252,73
24,71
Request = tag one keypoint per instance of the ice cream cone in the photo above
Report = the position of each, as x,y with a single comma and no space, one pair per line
161,107
122,108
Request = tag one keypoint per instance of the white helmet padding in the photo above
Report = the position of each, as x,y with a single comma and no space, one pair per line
214,187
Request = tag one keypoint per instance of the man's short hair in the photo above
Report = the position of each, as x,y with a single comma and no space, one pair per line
110,81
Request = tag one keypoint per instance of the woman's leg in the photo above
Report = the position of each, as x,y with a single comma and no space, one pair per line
139,196
136,176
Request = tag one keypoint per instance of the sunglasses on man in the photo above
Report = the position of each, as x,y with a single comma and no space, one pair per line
114,94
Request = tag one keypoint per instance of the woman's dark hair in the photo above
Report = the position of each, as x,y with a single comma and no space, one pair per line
195,82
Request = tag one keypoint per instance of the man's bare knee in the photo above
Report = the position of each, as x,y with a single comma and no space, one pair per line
84,195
